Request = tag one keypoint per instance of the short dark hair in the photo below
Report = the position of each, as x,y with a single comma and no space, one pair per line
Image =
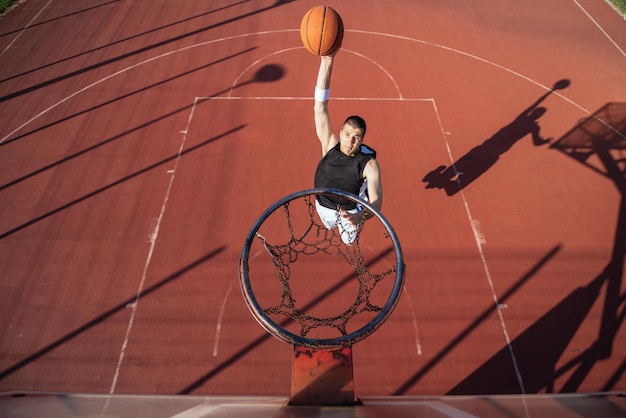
356,122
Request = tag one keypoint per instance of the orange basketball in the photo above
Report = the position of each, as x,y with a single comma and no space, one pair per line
321,31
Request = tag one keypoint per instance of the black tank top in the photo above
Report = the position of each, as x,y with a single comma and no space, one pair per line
336,170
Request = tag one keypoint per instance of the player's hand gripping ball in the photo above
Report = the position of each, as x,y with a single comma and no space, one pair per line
321,31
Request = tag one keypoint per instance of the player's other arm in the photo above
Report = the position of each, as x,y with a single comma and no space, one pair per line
325,133
374,184
374,190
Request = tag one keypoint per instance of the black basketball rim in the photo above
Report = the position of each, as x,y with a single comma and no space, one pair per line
282,334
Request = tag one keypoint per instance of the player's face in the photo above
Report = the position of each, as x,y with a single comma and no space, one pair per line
350,139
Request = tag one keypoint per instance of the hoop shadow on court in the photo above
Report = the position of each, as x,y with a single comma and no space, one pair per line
481,158
598,142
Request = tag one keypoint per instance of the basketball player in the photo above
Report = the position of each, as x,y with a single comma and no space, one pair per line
347,164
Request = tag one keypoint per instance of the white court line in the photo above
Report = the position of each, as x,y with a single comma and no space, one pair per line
255,63
132,67
479,239
176,51
418,343
600,28
234,84
153,239
220,317
218,327
381,68
474,224
25,28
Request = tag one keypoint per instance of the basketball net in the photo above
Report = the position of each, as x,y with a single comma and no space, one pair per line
322,372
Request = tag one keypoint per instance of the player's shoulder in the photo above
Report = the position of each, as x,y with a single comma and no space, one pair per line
332,144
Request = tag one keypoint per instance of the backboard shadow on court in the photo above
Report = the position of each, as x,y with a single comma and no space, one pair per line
598,142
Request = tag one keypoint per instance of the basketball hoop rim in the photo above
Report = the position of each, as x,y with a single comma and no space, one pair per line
279,332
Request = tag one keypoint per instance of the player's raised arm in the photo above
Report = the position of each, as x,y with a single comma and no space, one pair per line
325,133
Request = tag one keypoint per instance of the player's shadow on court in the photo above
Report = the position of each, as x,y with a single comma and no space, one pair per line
597,143
539,363
481,158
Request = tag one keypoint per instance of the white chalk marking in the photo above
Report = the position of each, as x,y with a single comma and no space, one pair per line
418,344
479,244
255,63
382,68
176,51
25,28
600,28
154,235
477,58
218,327
478,235
132,67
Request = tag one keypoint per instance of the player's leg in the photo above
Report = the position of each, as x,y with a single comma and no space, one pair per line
347,229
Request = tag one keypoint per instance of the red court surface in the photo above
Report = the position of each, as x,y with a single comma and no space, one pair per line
140,140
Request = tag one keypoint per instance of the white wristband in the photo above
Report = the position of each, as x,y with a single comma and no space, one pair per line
321,95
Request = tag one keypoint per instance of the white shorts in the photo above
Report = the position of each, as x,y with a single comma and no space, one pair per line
332,218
